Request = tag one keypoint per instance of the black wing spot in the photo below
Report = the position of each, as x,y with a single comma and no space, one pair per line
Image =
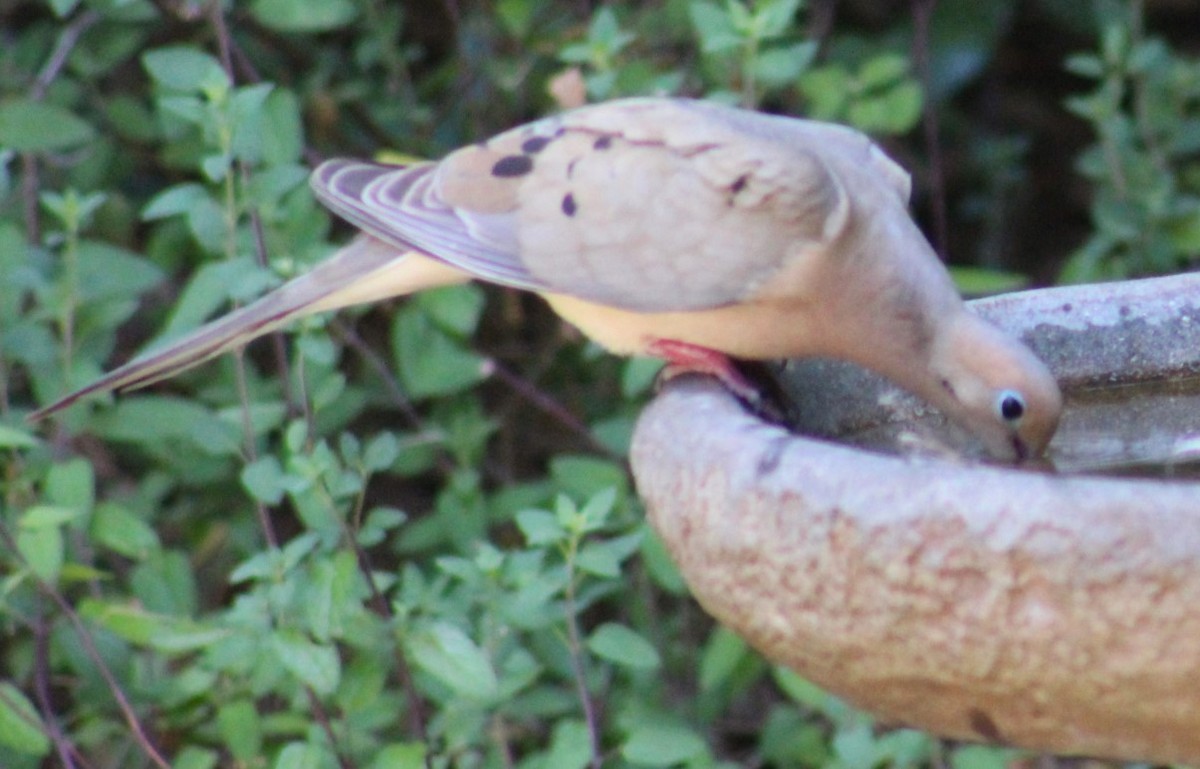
738,185
603,143
512,165
569,206
535,144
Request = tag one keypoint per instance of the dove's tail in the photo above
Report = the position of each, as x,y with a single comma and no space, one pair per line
365,270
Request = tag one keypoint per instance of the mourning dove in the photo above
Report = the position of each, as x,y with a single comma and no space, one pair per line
673,228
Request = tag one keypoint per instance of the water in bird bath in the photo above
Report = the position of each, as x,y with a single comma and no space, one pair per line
1141,429
1150,429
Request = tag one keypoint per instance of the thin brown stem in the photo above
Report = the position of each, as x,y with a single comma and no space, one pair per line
350,337
322,716
30,184
575,645
216,18
922,16
41,688
416,704
93,654
528,391
30,187
67,40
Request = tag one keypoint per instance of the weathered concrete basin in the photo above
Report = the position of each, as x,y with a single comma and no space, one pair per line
1055,612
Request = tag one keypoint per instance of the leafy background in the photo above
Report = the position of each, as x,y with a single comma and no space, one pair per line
405,536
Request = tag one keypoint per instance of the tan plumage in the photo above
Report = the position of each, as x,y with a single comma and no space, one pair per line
646,221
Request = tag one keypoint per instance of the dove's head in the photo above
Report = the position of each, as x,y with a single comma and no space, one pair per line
996,387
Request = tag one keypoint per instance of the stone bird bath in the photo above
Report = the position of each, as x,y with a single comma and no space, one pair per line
1058,612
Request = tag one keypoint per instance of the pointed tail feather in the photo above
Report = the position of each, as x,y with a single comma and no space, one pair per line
348,277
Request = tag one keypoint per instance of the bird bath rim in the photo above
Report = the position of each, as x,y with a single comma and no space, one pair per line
977,602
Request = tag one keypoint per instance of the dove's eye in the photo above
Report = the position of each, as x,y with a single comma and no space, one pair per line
1010,406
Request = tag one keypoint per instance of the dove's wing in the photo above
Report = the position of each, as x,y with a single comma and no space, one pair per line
647,205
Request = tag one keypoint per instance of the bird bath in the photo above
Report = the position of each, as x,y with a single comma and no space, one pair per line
1058,611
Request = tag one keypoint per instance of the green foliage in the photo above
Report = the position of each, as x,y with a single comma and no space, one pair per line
405,537
1145,112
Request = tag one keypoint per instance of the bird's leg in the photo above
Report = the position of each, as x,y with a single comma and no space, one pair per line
684,358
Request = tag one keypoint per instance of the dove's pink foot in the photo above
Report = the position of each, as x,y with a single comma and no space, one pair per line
684,358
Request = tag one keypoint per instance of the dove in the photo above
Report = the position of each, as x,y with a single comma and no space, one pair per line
682,229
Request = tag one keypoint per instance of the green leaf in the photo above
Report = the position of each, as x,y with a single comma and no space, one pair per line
1185,233
455,309
182,68
400,755
110,272
659,564
449,655
1085,65
893,112
855,746
188,109
622,646
163,632
331,595
71,484
29,126
241,730
781,66
300,755
517,16
721,657
121,531
246,110
42,550
638,375
775,17
604,558
428,360
21,728
192,757
598,508
977,281
827,90
73,209
800,689
266,481
175,200
16,438
151,419
303,15
585,477
283,128
48,516
714,27
662,745
316,665
982,757
540,527
381,452
216,166
164,582
63,8
570,746
882,71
